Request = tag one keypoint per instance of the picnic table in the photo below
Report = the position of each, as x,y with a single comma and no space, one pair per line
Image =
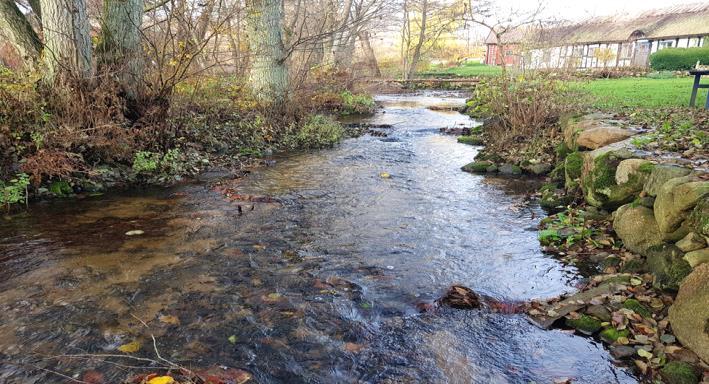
698,73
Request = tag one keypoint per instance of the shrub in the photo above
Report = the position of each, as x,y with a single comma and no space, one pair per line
523,115
319,131
678,59
353,104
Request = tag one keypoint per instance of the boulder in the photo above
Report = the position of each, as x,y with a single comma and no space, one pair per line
538,168
689,315
510,169
660,174
629,167
598,178
691,242
573,166
477,166
698,219
572,126
601,136
697,257
636,226
667,266
675,200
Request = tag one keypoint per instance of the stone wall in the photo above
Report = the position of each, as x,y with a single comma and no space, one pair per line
660,209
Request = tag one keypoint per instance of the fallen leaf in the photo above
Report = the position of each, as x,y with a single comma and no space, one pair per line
169,319
385,175
135,232
644,353
161,380
132,347
232,339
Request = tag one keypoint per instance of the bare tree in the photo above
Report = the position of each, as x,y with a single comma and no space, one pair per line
120,49
269,73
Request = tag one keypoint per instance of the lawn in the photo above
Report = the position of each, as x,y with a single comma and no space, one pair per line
641,92
468,69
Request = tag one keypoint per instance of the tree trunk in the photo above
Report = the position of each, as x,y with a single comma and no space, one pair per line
369,54
416,57
120,48
67,44
14,25
269,74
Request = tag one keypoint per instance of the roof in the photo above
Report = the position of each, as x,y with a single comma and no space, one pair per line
684,20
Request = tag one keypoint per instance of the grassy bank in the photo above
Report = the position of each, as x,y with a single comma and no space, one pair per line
640,92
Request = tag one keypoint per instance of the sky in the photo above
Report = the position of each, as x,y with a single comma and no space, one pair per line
575,10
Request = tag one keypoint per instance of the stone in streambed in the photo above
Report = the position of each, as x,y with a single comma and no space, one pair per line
585,324
478,166
510,169
622,351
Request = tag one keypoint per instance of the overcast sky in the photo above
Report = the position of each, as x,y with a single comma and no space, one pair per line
575,10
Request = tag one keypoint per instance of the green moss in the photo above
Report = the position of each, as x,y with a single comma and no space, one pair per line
679,269
573,166
603,172
698,219
61,188
638,308
610,335
562,150
470,140
477,166
585,324
679,372
646,168
610,261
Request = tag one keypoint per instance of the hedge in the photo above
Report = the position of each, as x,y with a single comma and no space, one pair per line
678,59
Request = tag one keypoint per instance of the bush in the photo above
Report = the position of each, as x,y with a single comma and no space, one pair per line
319,131
356,104
523,115
15,190
678,59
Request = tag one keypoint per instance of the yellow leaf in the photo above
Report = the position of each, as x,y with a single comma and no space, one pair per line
169,319
161,380
132,347
385,175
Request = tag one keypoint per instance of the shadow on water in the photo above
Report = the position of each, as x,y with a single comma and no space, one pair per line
319,285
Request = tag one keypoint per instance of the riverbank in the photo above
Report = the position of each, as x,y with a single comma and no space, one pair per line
630,202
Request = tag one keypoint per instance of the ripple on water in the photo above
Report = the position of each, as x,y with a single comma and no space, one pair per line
319,287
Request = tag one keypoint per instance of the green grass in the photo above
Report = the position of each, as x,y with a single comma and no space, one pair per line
642,92
468,69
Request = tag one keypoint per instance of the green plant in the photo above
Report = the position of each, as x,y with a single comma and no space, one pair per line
678,59
356,104
146,162
15,190
319,131
565,229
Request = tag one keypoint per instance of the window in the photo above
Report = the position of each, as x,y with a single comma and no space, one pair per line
626,50
666,44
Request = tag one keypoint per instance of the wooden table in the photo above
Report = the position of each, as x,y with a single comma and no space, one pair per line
698,73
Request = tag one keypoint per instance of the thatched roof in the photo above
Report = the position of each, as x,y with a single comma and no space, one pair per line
684,20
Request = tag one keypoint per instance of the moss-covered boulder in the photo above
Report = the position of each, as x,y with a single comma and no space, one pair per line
510,169
553,198
675,200
573,126
660,174
667,265
679,372
698,219
598,179
61,188
689,315
573,166
636,226
478,166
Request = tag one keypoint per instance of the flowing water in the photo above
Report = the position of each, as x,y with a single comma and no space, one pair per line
308,270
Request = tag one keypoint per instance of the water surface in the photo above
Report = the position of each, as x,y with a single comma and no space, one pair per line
311,274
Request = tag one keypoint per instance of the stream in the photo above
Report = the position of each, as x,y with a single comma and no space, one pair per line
305,271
